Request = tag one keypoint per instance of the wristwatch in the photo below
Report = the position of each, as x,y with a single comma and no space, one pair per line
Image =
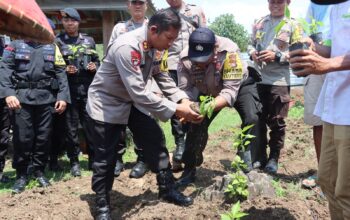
278,56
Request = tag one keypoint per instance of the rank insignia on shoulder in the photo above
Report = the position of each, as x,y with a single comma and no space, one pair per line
145,46
135,58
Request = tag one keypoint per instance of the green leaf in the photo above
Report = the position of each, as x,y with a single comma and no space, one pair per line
240,215
279,27
247,143
287,12
225,217
236,207
246,128
201,98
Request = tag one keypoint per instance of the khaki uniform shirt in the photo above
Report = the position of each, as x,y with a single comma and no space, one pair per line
124,79
194,13
273,73
222,77
123,27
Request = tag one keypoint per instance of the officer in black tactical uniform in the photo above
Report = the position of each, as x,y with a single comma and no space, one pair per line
35,86
4,121
78,51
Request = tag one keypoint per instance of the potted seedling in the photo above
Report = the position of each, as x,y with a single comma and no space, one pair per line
242,141
87,57
312,29
206,106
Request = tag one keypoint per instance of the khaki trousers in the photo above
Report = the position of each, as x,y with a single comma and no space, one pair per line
334,169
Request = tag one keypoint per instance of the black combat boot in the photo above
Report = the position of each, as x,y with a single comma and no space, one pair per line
187,177
177,154
103,207
20,184
75,167
168,192
139,170
272,164
43,182
119,167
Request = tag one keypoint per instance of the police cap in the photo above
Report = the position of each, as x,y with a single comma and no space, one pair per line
201,45
71,13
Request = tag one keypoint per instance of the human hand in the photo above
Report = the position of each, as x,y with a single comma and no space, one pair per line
184,111
91,67
12,102
309,62
60,106
266,56
71,69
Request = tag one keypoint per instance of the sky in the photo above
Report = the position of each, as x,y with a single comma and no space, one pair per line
245,11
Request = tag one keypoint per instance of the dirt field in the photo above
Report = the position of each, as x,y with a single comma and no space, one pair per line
137,199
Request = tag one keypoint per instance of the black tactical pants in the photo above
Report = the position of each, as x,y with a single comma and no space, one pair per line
275,101
122,145
58,135
248,107
4,132
104,137
32,130
177,128
75,113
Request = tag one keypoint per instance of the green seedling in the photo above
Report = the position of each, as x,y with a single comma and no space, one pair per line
207,106
312,27
237,189
234,214
238,164
242,139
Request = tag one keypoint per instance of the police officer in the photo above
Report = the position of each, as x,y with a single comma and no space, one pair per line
137,9
211,65
121,95
35,86
192,17
4,120
78,51
269,51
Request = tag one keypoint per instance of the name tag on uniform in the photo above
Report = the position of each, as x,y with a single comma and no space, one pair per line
233,68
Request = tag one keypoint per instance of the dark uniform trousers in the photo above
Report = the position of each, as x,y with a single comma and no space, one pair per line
275,101
5,132
58,136
104,137
75,113
248,107
32,126
177,128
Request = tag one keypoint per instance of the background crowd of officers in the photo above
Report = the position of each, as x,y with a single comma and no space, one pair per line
50,89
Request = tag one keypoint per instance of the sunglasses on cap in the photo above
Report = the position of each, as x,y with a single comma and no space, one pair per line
137,2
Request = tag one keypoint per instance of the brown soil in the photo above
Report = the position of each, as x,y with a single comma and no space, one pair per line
137,199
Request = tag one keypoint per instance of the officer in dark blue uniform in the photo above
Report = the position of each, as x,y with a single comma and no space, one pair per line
78,51
4,120
35,86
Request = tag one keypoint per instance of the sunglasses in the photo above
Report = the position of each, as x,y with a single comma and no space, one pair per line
137,2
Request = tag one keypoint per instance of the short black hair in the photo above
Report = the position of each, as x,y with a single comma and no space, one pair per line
164,19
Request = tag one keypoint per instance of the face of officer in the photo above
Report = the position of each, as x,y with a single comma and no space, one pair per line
137,9
71,26
276,7
162,40
175,3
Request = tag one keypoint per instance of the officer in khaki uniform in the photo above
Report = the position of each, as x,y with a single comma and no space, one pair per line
192,17
121,95
137,9
211,65
78,51
35,86
269,51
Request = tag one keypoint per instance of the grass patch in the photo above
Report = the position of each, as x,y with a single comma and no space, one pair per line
279,190
296,112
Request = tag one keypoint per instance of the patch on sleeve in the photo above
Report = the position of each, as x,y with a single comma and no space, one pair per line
9,48
59,61
233,68
135,58
164,62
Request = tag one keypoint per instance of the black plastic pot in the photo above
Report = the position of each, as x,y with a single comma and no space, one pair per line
247,158
317,38
297,46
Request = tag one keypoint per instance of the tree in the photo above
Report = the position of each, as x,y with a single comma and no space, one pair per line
226,26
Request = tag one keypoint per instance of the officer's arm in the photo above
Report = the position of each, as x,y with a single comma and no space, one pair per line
7,68
185,84
95,57
61,76
128,61
169,88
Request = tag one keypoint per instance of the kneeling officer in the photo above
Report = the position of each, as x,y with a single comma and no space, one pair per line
34,85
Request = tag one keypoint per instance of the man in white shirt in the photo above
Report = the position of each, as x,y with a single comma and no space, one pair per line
332,106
